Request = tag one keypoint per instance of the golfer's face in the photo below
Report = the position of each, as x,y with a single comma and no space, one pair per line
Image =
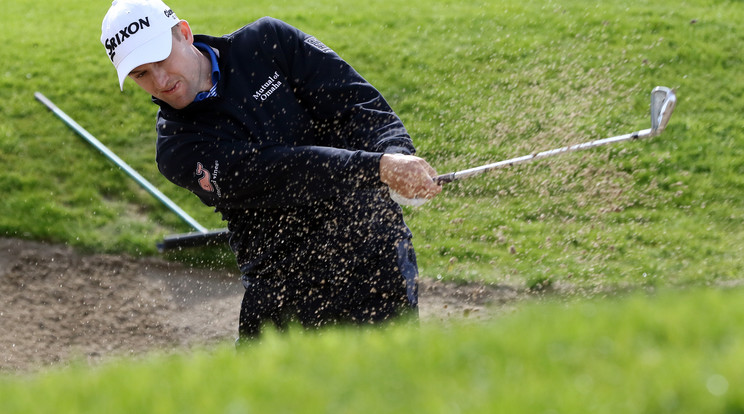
174,80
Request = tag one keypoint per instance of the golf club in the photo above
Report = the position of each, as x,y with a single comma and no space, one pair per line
663,101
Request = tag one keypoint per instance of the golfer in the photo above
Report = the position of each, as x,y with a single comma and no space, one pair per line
295,150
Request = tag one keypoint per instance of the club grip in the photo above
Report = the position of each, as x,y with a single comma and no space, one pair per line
445,178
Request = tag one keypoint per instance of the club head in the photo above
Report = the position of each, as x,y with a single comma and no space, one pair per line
663,101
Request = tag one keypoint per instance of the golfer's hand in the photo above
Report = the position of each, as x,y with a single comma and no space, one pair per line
409,176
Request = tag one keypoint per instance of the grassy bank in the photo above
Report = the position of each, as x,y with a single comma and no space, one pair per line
474,83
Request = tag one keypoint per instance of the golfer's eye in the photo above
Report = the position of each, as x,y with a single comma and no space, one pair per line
138,75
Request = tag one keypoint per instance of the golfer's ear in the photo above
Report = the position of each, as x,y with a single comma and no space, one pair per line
185,31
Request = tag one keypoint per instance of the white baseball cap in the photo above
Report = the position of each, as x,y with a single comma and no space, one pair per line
135,32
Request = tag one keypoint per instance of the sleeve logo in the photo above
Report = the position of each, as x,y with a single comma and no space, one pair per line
312,41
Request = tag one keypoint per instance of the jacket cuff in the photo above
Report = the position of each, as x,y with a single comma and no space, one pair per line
396,149
369,167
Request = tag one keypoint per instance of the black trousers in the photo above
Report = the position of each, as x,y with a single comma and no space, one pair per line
378,288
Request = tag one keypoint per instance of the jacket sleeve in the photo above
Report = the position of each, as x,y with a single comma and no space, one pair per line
338,94
233,174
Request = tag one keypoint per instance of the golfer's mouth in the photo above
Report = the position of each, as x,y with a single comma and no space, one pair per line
171,90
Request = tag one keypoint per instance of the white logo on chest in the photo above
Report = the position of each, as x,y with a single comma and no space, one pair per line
267,88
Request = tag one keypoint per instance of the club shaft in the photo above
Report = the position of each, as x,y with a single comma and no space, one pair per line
119,162
459,175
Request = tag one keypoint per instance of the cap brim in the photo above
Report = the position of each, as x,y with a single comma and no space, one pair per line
154,50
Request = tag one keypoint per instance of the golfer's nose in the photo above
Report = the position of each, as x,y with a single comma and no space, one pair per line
159,76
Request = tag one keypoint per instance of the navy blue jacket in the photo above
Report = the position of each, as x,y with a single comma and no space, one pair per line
288,152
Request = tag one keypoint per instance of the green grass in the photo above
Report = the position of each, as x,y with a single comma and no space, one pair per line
664,352
474,83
